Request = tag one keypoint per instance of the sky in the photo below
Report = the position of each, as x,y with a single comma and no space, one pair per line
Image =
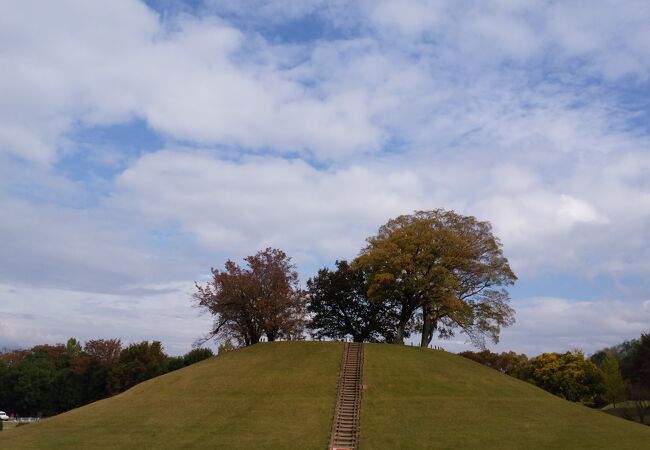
142,143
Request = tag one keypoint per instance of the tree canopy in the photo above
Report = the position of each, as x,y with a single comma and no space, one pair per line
264,298
50,379
443,272
568,375
613,383
339,307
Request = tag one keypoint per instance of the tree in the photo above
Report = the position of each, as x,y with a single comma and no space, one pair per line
196,355
640,397
93,364
340,307
262,299
35,380
567,375
446,267
103,351
137,363
276,294
509,363
624,353
639,366
613,384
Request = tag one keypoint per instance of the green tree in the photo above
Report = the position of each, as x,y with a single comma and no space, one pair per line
34,382
72,348
640,397
568,375
639,366
447,267
136,363
174,363
196,355
613,384
6,385
93,365
339,306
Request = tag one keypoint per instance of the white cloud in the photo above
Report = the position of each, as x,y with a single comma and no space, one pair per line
201,79
32,316
552,324
59,63
47,245
411,16
244,206
555,324
194,79
559,223
604,37
497,109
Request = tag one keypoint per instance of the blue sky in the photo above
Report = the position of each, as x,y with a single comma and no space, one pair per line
143,143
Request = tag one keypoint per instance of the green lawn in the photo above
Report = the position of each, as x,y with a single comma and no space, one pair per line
626,404
269,396
418,398
9,425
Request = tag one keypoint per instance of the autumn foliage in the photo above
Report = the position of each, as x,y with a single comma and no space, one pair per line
261,299
444,272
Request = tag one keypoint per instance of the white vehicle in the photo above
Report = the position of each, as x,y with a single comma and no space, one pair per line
3,416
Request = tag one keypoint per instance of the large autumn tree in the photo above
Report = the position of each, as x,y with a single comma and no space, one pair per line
263,298
444,272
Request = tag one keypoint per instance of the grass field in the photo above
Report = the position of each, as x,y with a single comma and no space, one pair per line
626,404
282,395
270,396
417,398
9,425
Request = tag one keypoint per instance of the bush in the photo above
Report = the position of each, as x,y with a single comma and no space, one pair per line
174,363
196,355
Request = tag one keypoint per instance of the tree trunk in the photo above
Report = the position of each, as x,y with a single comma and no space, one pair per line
428,327
399,336
254,337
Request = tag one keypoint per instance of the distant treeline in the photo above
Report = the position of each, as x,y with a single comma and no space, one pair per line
610,376
50,379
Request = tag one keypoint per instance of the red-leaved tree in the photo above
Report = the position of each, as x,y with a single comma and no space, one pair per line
263,298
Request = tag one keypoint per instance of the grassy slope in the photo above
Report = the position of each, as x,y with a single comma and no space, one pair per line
281,395
270,396
417,398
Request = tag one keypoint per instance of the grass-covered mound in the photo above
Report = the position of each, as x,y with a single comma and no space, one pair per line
274,395
282,395
417,398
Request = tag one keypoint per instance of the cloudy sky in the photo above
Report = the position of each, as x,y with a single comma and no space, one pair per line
142,143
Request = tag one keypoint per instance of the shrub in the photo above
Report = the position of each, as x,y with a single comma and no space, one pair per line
175,363
196,355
